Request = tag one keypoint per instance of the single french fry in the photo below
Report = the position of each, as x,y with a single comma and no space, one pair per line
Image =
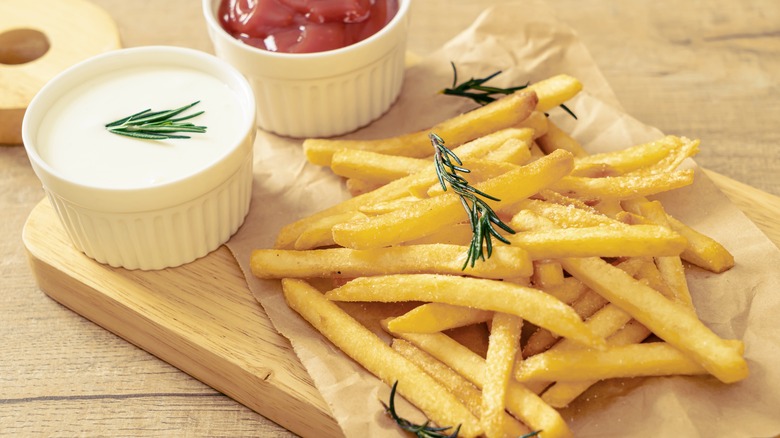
527,303
432,214
502,113
538,122
359,187
555,91
568,216
702,250
464,390
437,317
499,363
560,394
671,267
521,402
386,207
557,138
599,241
635,360
668,320
632,158
513,151
547,273
366,348
320,234
458,234
374,167
506,261
625,186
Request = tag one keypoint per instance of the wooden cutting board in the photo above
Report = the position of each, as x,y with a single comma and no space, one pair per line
39,39
202,318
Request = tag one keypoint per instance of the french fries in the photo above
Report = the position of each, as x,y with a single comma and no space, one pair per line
368,350
591,266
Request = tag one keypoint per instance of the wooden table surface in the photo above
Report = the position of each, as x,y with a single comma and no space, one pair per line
707,69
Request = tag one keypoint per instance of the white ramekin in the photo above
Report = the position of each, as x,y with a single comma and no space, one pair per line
319,94
155,226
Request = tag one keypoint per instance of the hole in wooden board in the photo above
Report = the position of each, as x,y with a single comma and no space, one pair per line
20,46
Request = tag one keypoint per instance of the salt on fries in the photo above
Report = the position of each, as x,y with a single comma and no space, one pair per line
592,270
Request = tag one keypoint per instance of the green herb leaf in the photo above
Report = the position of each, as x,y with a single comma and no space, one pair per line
157,125
476,90
481,216
421,430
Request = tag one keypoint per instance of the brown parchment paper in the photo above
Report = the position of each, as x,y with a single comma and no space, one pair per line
527,43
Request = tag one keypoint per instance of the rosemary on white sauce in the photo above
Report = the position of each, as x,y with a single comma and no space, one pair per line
157,125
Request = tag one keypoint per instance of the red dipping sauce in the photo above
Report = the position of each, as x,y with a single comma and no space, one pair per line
304,26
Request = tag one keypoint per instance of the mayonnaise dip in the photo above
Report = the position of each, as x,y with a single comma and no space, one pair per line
73,140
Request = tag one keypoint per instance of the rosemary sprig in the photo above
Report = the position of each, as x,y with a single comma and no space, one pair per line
481,215
157,125
476,90
421,430
424,430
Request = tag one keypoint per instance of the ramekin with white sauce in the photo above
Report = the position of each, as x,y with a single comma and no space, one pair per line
140,203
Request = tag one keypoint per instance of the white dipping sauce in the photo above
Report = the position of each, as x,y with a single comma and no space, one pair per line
73,139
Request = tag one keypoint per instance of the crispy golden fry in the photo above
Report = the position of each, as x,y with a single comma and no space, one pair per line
671,322
599,241
555,91
458,234
623,187
632,158
567,216
513,151
386,207
702,251
320,234
430,215
358,187
547,274
671,267
556,138
464,390
560,394
522,403
687,149
530,304
538,122
635,360
500,114
374,167
344,262
437,317
499,363
373,354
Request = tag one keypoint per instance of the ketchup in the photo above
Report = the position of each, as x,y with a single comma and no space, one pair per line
304,26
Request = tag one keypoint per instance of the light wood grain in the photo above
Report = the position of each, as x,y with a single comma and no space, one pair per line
74,30
702,68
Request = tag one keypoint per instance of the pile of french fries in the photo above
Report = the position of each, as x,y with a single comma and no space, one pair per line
592,285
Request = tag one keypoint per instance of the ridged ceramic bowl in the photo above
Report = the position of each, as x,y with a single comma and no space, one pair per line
138,203
319,94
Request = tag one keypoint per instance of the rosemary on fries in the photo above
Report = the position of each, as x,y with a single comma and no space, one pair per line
481,216
476,90
425,430
158,125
